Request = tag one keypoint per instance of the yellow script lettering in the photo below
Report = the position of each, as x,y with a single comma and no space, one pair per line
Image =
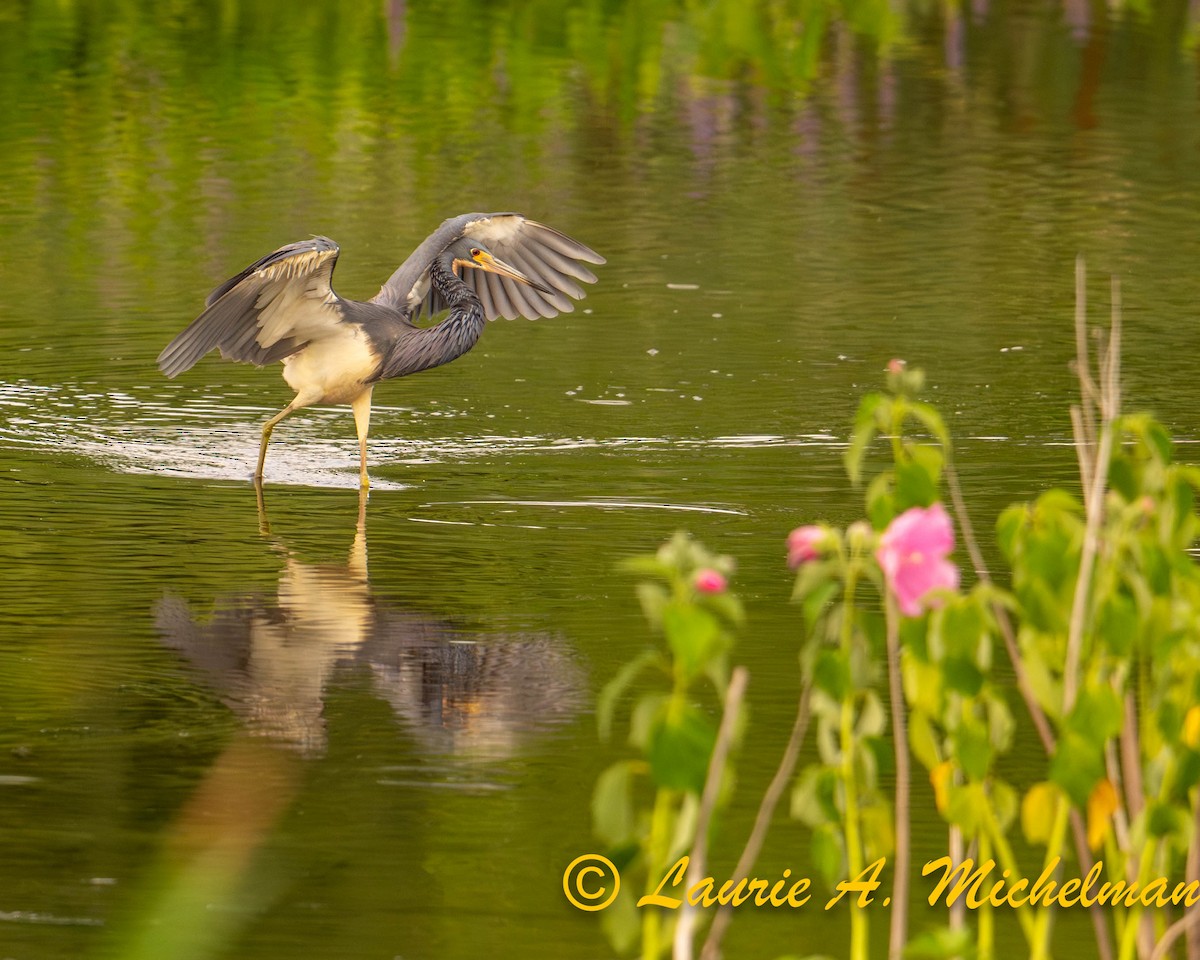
675,875
864,887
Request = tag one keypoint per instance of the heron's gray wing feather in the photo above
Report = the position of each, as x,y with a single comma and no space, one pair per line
504,306
545,255
400,290
265,313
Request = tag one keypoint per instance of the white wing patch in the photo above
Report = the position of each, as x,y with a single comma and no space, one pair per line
289,309
500,228
265,313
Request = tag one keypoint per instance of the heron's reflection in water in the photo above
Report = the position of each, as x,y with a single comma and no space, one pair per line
461,692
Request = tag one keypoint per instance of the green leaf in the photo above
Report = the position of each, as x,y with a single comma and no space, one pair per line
1170,721
923,741
865,428
653,598
645,566
622,920
1188,773
817,600
941,943
878,829
727,606
1122,476
1037,812
827,853
814,575
962,676
1047,689
922,685
1004,804
1057,502
963,807
647,713
1001,725
1098,713
872,720
963,625
694,635
1076,766
606,703
881,501
1165,820
1009,527
929,417
831,673
679,750
613,813
878,756
1117,624
814,798
972,749
1158,440
1183,499
916,485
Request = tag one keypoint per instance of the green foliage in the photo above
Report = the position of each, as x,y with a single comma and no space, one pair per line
1102,607
645,808
941,943
1137,640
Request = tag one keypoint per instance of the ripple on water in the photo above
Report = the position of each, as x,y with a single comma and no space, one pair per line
212,439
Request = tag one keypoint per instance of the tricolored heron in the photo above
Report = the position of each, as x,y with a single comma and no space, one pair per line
479,266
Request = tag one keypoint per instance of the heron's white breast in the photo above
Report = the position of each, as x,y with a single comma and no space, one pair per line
332,369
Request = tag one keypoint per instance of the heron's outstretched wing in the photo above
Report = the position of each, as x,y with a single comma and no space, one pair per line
546,256
267,312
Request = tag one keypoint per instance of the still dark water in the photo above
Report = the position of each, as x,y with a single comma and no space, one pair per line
390,720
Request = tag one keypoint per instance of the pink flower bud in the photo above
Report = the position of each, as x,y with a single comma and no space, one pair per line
895,365
710,581
804,544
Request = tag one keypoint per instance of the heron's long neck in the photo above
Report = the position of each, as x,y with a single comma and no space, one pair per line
461,330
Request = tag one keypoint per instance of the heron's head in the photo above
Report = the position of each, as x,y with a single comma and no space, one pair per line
466,255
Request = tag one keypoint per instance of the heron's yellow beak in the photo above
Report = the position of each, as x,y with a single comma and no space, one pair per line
483,260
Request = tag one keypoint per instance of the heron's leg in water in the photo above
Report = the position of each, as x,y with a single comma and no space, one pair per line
362,423
266,434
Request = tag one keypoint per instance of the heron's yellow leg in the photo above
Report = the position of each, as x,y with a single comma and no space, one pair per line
362,423
266,435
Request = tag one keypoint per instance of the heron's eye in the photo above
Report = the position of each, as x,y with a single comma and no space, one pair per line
476,252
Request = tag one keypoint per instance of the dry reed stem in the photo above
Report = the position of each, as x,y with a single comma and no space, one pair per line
762,822
708,800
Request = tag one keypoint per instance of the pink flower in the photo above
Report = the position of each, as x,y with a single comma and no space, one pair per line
895,365
912,554
710,581
804,544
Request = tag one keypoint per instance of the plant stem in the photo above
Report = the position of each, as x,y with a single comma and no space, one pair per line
708,801
1104,945
658,847
1007,862
1110,404
898,931
762,822
656,859
859,928
985,939
1192,872
1129,936
1040,948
